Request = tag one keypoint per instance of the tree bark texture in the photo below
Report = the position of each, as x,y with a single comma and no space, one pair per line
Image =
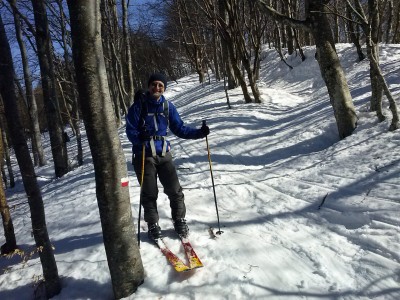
228,68
11,243
236,36
119,236
331,70
128,55
355,38
38,152
3,126
54,122
317,23
378,82
373,49
44,247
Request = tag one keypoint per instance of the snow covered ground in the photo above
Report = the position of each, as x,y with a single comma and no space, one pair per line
273,164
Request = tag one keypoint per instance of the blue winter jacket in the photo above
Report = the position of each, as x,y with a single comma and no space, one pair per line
155,114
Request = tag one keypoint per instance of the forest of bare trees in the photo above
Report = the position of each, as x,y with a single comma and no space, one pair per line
64,62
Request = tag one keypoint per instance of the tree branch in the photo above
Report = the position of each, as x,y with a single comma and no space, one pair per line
294,23
27,22
360,16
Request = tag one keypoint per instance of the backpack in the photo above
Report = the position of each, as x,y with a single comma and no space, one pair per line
140,97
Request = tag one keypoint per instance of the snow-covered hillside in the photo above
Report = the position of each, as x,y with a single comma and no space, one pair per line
273,166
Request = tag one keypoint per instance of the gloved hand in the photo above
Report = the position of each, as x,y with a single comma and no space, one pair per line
205,130
144,136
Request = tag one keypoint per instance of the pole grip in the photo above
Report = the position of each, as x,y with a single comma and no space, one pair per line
204,123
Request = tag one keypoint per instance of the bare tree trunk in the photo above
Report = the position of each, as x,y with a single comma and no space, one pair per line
117,57
128,56
111,44
278,44
238,73
37,146
289,31
318,23
45,250
228,68
119,236
216,50
230,30
302,55
353,36
336,22
193,40
396,32
251,77
110,75
3,126
331,70
378,81
11,243
76,121
373,49
54,122
392,103
70,98
4,176
389,29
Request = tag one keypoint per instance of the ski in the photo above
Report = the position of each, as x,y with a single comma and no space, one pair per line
174,260
194,260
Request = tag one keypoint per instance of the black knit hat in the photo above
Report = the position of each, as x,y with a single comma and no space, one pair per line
158,77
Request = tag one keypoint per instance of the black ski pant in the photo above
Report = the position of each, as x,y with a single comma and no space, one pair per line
163,168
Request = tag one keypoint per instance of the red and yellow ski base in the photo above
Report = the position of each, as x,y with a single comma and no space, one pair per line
194,260
175,261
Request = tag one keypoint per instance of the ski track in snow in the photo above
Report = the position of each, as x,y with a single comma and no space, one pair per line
273,165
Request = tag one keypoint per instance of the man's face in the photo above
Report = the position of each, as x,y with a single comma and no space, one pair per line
156,89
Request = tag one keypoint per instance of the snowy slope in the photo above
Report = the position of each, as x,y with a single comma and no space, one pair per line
273,166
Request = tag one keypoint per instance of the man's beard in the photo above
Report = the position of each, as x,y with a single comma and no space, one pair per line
156,95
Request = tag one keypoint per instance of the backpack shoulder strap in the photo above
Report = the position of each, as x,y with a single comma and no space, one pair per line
166,110
139,95
143,111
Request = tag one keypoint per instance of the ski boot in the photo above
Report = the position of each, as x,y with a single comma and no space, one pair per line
154,231
181,228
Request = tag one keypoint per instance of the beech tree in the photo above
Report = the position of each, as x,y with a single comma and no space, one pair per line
6,150
54,122
50,273
119,236
11,243
127,53
37,147
192,36
227,19
66,80
317,23
370,26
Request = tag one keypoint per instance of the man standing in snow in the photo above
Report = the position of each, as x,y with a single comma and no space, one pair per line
147,124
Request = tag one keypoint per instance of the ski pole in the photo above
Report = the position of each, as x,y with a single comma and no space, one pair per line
140,201
212,180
